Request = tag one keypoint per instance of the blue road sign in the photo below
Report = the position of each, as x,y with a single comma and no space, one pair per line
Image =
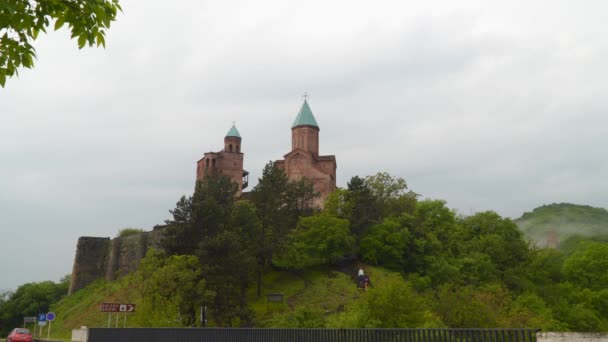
41,317
50,316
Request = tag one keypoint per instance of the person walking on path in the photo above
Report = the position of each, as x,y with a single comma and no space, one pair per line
360,277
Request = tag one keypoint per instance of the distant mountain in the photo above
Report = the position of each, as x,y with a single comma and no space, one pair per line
563,220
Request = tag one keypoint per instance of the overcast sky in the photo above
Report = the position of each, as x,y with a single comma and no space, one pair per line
488,106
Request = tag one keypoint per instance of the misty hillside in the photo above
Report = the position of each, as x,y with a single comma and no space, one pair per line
565,219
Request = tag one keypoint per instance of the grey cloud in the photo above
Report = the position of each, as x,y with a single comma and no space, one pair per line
487,107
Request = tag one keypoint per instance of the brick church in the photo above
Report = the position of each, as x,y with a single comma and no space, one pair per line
303,161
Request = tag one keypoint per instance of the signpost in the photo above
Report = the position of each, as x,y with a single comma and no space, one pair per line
50,317
116,307
41,322
29,319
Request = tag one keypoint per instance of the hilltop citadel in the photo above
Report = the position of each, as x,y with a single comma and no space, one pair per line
102,257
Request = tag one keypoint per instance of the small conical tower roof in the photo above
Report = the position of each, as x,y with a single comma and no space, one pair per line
305,117
233,132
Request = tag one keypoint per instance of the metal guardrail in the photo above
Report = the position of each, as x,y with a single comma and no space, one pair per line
309,335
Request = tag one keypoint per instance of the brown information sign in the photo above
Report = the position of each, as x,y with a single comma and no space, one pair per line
117,307
110,307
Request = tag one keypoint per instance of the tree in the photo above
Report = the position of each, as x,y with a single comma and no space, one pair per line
279,203
317,240
432,233
28,300
588,266
361,207
180,236
471,307
212,203
172,289
387,242
201,216
393,304
529,310
269,196
391,194
22,21
228,263
497,237
301,317
335,204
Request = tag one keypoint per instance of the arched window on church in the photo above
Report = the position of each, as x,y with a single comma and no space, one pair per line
238,148
213,163
207,162
230,147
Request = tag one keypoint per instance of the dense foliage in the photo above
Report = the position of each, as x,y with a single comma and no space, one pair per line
29,300
235,241
456,271
429,266
22,21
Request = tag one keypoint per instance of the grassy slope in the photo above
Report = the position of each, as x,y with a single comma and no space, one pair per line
329,290
565,219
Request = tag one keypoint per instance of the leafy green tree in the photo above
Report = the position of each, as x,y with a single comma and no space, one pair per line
600,302
172,289
432,235
317,240
575,307
497,237
588,266
22,21
28,300
387,242
545,266
471,307
361,207
474,268
391,194
392,304
335,204
302,317
529,310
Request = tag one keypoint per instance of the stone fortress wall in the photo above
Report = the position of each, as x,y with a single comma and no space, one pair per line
102,257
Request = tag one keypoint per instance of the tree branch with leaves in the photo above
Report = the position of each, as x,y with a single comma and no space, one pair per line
22,20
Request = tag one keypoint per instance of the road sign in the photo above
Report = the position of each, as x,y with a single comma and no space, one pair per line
29,319
41,317
117,307
110,307
127,308
50,316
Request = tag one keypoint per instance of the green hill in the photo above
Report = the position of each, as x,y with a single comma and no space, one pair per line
565,220
325,290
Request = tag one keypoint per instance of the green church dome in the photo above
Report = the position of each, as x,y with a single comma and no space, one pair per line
233,132
305,117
